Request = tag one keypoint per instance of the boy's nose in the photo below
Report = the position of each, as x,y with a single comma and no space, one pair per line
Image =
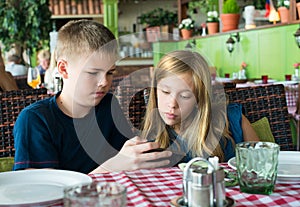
102,82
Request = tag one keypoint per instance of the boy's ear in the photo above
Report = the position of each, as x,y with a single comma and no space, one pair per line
62,66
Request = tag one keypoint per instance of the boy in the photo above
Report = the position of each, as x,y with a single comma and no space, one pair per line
82,128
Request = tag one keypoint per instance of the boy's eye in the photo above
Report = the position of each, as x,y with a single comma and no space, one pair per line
110,72
165,91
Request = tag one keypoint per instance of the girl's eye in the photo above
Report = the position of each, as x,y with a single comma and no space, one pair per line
185,96
110,72
92,73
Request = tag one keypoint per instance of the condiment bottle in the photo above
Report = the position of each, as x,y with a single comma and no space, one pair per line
218,181
219,187
201,189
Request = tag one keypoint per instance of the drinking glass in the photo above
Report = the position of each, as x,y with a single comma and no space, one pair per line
33,77
264,79
288,77
96,194
256,164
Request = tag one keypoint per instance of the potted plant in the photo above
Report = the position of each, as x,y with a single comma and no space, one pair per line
157,21
230,16
283,10
25,24
298,8
186,28
212,22
157,17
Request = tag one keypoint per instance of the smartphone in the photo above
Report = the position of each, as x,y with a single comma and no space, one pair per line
155,150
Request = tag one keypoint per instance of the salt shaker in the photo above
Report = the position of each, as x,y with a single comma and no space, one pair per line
201,189
197,184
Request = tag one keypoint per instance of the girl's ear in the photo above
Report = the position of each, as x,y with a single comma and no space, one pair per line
62,66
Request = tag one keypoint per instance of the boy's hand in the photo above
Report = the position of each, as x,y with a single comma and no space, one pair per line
132,156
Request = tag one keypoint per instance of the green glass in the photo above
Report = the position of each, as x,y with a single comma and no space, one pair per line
256,164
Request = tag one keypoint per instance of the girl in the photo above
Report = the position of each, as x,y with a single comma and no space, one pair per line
183,113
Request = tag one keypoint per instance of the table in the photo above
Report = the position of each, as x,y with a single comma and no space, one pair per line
156,187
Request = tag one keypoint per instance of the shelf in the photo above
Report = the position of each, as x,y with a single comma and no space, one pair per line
135,61
75,16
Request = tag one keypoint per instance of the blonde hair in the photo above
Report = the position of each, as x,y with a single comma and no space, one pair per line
204,128
81,37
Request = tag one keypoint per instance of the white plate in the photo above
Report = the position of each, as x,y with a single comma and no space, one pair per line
288,166
231,163
224,79
260,81
197,163
37,187
287,82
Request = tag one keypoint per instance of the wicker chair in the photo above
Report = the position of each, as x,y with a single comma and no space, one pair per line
266,101
22,82
11,104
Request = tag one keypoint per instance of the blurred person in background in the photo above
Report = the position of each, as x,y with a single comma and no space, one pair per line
14,62
7,81
43,58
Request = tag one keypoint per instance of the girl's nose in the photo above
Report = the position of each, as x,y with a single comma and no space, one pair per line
172,102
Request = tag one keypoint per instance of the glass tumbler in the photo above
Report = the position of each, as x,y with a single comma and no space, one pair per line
256,164
96,194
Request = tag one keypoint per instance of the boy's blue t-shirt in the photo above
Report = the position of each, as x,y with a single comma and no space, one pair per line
47,138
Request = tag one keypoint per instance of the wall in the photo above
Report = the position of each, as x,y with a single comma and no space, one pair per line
271,51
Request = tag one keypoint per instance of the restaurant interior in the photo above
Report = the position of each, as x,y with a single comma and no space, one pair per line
255,62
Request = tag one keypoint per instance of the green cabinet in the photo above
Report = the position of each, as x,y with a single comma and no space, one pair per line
268,50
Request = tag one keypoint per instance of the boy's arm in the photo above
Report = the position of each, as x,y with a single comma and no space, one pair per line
132,157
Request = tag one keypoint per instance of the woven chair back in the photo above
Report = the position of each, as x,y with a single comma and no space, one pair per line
21,81
11,104
266,101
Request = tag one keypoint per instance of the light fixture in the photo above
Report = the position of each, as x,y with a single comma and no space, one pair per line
230,42
274,16
297,37
190,45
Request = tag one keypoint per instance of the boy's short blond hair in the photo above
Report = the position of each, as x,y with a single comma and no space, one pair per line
81,37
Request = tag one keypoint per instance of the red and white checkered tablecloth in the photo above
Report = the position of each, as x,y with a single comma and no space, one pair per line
291,94
156,187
